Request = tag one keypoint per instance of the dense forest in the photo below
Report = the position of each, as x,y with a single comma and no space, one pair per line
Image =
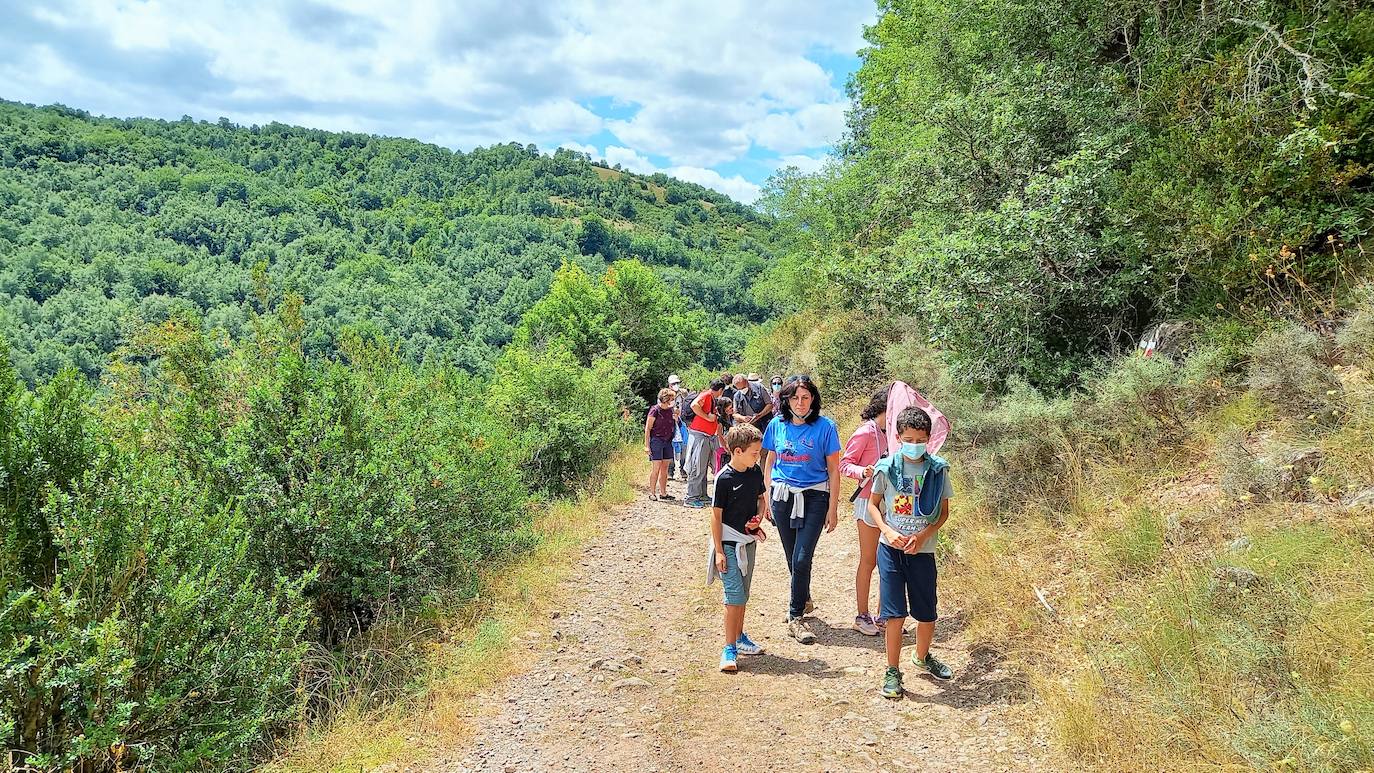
1038,182
106,224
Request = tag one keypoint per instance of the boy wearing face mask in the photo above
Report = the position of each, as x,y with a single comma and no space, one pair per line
909,503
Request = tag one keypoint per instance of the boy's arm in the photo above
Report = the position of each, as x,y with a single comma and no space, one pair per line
875,510
918,540
716,514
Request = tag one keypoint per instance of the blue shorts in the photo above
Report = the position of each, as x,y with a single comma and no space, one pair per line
735,583
660,449
906,579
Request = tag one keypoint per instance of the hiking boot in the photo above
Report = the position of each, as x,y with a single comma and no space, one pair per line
746,646
866,625
809,608
667,497
892,683
696,502
797,628
935,667
729,658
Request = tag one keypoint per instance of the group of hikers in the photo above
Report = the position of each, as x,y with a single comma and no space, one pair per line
776,458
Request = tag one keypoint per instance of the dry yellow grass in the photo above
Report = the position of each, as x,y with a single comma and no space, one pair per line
476,650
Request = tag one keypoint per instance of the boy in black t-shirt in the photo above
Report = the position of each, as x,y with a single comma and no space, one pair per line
736,511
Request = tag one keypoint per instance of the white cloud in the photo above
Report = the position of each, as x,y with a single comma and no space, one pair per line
628,159
805,164
697,85
812,126
736,187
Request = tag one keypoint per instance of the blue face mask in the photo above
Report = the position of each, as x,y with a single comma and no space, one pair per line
913,451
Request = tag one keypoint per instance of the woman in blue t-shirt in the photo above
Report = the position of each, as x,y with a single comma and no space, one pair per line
802,471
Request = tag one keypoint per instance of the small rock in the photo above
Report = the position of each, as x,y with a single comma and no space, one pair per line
854,670
612,665
634,660
630,735
555,615
1229,579
632,681
1239,545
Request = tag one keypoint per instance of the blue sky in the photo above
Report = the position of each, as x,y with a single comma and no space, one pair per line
720,93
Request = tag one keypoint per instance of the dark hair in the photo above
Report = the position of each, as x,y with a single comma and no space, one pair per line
790,388
717,385
913,418
776,377
876,405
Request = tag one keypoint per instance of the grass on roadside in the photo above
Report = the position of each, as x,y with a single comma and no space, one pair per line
466,649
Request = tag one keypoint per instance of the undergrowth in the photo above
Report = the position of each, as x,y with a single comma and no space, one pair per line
1179,555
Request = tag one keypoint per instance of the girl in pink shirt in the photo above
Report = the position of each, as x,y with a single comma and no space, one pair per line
865,447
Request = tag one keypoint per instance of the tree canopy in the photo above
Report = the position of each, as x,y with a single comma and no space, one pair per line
106,224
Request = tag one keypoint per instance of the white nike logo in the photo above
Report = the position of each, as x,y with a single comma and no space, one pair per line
737,488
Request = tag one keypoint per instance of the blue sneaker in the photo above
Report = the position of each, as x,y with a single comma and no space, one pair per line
746,646
729,658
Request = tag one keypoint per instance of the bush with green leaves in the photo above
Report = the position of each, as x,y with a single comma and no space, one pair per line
567,418
1290,368
135,630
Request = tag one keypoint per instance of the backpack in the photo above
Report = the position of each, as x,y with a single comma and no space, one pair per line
687,413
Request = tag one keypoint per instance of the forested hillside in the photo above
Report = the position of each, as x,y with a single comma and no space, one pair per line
105,224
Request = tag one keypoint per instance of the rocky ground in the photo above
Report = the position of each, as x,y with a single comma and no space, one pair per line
624,677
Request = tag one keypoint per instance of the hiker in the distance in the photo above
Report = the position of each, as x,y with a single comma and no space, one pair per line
866,446
659,427
675,464
802,471
701,442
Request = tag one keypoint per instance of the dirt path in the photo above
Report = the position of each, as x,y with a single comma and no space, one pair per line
625,677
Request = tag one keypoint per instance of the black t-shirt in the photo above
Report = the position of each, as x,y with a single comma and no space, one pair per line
737,495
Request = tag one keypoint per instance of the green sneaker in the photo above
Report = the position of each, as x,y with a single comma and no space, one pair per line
935,667
892,683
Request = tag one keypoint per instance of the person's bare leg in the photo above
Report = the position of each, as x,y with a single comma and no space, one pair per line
653,478
868,561
662,476
925,634
894,641
734,623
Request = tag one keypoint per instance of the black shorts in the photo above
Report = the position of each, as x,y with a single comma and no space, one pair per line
906,584
660,449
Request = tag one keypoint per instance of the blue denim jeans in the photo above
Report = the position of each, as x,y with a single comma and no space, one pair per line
799,545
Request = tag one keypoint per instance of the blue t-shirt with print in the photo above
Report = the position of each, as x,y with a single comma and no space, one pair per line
801,450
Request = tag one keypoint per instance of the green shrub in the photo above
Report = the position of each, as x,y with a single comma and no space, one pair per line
134,629
1356,335
567,418
1288,368
849,353
1023,451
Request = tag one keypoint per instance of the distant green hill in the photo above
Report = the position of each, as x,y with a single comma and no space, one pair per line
106,222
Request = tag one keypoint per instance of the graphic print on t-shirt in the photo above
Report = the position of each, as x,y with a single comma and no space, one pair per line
906,518
798,450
